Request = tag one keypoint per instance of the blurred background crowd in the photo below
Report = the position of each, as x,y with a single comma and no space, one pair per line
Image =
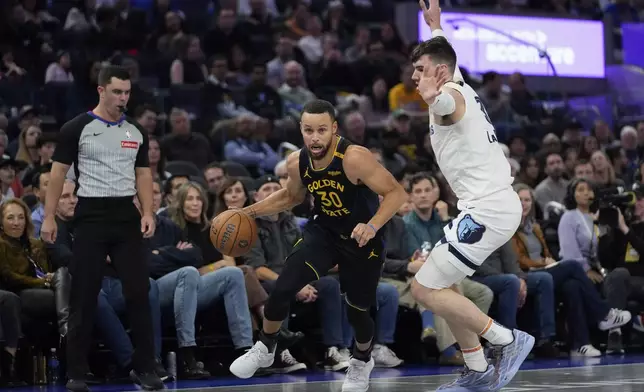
219,84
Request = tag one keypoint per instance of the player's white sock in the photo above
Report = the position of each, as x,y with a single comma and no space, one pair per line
496,334
475,358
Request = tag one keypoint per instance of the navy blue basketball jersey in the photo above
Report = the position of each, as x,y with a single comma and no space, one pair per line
338,203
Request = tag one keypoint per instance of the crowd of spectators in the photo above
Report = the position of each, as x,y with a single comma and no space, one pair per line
218,86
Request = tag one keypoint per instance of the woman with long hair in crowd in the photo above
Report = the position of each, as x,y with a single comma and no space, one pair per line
26,271
157,160
189,213
530,171
232,194
604,177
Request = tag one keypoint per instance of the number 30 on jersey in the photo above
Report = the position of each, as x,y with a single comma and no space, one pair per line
491,136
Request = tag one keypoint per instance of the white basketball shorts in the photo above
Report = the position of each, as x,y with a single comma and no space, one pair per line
482,227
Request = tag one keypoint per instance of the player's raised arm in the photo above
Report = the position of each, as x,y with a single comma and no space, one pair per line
360,165
432,16
284,199
434,65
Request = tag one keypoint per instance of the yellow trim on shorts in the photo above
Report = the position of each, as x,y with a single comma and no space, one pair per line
346,299
314,271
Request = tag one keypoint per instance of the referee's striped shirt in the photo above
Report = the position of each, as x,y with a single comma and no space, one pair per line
104,154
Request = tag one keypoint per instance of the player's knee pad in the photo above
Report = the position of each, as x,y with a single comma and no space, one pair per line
361,321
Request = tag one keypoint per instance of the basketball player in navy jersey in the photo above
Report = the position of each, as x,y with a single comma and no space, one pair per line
345,181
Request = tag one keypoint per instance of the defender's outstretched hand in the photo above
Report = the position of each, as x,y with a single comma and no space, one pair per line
432,15
430,84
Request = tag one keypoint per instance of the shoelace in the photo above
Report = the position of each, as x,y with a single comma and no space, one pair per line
354,372
335,355
254,354
288,359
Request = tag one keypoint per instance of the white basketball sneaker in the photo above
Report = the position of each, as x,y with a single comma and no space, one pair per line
357,378
257,357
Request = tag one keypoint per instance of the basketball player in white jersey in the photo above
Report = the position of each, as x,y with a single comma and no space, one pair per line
474,165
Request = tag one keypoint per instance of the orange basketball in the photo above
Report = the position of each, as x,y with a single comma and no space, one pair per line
233,233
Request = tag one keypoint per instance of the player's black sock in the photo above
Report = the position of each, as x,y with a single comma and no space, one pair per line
364,356
269,340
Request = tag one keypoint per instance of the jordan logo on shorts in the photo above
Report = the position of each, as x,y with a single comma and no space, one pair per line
469,231
372,254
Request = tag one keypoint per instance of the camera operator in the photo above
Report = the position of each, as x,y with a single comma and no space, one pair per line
620,249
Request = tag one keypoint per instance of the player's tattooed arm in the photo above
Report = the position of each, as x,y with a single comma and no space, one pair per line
290,196
361,166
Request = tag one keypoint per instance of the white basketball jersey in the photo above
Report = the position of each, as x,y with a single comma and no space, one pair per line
468,152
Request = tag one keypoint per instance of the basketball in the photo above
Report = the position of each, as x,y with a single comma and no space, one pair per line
233,233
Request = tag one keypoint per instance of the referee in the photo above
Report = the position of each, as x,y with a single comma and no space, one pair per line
109,153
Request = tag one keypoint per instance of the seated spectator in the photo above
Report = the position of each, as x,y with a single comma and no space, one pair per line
580,297
285,52
277,235
10,320
226,33
40,183
361,40
172,31
233,193
578,239
405,96
311,42
293,91
250,149
109,310
25,268
354,127
588,146
511,287
147,117
156,159
553,187
401,264
530,172
604,174
215,176
60,70
220,279
429,215
584,169
260,98
173,264
170,189
496,101
28,147
218,95
189,66
46,145
183,144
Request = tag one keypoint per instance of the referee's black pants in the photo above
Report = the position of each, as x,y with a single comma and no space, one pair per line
108,227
